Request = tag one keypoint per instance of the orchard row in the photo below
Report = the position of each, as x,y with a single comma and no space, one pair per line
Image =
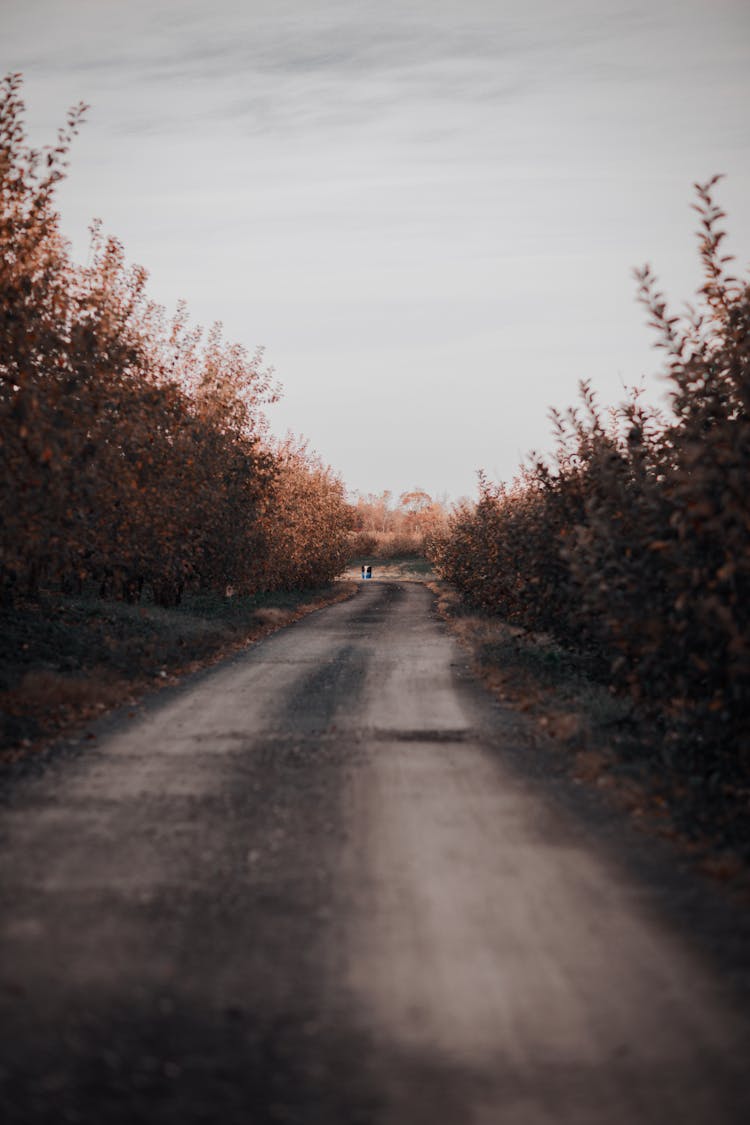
134,449
632,543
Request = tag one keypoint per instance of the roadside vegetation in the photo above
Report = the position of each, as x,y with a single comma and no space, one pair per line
383,528
135,450
136,466
629,547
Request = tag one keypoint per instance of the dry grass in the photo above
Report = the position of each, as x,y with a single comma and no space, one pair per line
270,615
56,698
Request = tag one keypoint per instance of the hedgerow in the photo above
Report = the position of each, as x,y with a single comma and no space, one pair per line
632,542
134,449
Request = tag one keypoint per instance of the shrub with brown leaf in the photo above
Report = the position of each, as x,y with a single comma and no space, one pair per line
134,449
633,542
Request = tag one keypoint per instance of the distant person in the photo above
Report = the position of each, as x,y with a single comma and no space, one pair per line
369,572
363,570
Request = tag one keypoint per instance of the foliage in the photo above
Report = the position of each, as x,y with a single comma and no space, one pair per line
134,449
633,542
306,521
383,530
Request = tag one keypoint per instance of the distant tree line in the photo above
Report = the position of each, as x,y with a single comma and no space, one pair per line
134,448
386,527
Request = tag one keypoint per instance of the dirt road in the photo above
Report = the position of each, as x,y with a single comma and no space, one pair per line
331,882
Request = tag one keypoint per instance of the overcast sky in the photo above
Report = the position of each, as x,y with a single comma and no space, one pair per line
427,213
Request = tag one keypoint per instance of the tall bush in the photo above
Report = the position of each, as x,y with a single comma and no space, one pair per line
134,449
633,541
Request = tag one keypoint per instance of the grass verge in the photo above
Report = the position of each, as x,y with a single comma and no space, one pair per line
66,660
603,740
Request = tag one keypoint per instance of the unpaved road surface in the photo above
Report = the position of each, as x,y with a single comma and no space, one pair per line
332,882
